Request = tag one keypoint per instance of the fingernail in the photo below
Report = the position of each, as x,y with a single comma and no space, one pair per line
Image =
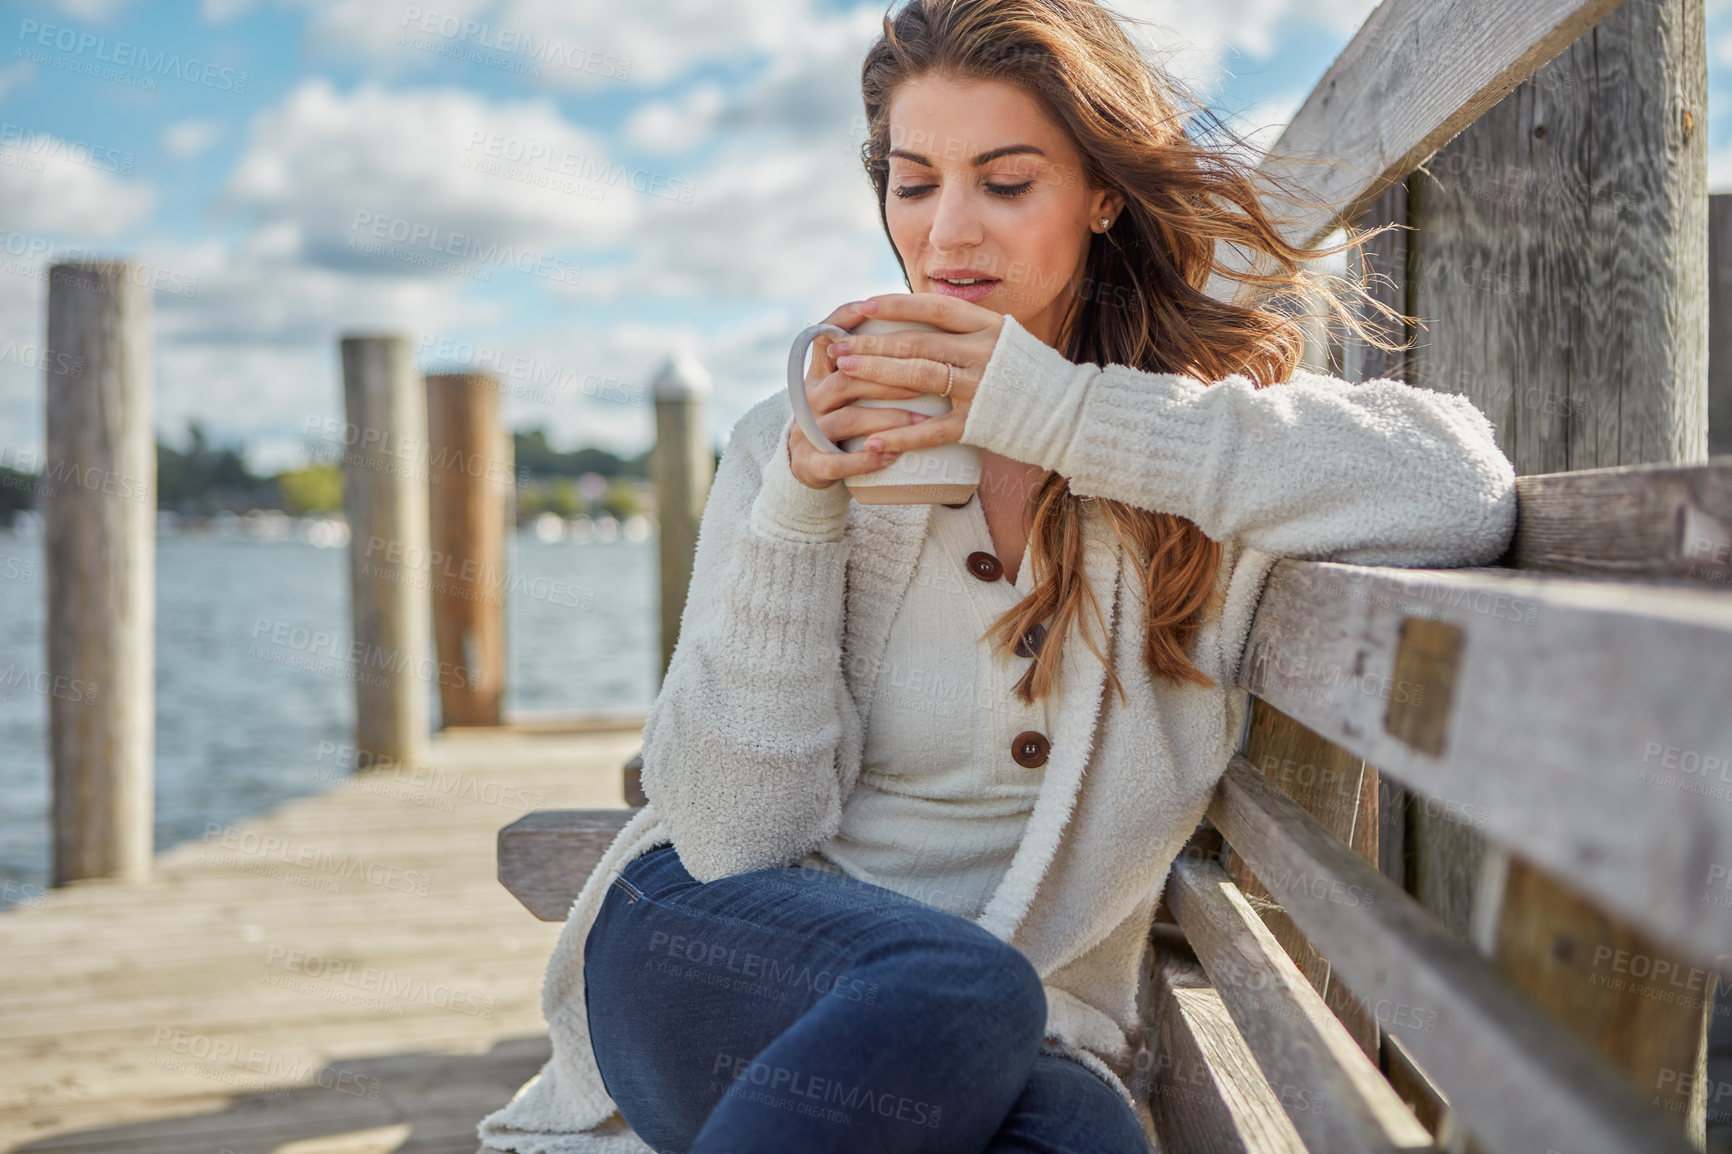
839,347
876,446
916,418
868,306
847,364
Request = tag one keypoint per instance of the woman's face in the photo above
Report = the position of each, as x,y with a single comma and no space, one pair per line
985,186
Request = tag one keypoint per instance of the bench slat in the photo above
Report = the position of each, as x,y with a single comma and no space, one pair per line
1208,1095
1633,521
1521,1081
1584,723
1340,791
546,856
1334,1096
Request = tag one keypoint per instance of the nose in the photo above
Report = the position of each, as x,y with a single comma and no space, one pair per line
955,223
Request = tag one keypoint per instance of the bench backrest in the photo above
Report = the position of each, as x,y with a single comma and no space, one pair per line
1582,724
1571,709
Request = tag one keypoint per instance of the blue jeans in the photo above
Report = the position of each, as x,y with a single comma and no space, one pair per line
798,1010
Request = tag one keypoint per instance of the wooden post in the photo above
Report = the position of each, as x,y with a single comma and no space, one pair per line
1720,324
467,509
1560,264
1560,260
385,498
99,512
682,465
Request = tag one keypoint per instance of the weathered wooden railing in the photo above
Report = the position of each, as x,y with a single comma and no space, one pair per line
1564,716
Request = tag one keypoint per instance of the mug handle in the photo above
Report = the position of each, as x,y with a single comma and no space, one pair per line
797,384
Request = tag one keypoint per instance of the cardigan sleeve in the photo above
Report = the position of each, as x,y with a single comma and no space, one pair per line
741,744
788,509
1317,468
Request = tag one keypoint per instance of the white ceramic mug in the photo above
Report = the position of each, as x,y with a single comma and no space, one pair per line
945,474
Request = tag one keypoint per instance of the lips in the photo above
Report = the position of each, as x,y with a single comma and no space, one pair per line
942,277
959,274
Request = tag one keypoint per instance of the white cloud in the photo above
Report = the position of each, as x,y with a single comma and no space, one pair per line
437,159
367,28
185,139
253,351
568,46
68,191
664,39
671,127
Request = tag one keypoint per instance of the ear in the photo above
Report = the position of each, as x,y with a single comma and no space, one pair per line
1108,202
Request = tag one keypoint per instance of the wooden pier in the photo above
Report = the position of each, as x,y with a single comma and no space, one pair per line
341,975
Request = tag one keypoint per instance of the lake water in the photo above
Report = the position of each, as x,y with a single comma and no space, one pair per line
239,720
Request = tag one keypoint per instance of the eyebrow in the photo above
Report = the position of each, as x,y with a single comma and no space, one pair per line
983,158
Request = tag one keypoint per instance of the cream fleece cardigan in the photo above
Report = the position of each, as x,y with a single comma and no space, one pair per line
754,741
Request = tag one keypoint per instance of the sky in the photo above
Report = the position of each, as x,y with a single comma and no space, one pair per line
563,192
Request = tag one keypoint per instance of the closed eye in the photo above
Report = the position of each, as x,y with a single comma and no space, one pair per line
1007,191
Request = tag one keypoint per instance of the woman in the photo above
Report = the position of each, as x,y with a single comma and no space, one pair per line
893,885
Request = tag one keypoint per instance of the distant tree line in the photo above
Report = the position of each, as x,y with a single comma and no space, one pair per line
201,479
537,459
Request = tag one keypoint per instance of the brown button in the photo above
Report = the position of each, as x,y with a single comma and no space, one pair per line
985,566
1030,643
1030,748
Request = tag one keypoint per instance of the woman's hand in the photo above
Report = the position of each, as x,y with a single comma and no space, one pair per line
831,394
922,361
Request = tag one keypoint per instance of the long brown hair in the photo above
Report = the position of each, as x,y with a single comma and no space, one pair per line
1142,302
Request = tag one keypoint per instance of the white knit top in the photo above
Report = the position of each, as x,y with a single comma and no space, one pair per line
941,802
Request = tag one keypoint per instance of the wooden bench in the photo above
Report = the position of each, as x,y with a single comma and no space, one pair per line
1569,710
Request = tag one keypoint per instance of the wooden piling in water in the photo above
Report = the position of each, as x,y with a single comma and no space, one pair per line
468,480
385,499
99,512
682,466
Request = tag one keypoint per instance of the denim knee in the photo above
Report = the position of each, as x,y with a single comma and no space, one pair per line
967,968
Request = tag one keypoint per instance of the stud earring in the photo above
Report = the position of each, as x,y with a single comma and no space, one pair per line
1106,223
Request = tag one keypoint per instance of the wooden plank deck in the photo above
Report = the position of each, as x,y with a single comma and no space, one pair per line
341,975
